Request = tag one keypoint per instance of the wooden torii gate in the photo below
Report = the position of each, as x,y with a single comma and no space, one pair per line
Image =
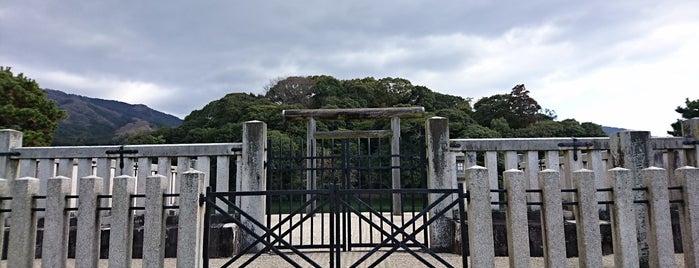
394,114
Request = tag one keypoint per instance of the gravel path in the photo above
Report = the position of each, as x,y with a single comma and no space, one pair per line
402,260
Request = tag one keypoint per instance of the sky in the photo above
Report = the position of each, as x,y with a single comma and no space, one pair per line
624,64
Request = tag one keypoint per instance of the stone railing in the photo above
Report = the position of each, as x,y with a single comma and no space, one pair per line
624,212
107,162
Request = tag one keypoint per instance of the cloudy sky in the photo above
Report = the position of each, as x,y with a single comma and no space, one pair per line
626,64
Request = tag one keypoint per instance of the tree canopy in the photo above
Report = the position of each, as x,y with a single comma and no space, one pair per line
24,107
690,110
515,114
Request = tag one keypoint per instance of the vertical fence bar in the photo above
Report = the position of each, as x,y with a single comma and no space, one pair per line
154,221
552,219
222,176
395,165
516,218
87,245
623,217
144,170
532,171
660,243
55,242
191,222
23,223
480,229
688,178
491,163
121,228
4,204
587,219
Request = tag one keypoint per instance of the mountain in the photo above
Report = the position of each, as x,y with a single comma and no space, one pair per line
94,121
612,130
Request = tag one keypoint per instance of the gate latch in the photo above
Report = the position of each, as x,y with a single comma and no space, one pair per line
575,144
121,153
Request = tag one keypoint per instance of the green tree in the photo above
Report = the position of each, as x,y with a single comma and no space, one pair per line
690,110
24,107
518,108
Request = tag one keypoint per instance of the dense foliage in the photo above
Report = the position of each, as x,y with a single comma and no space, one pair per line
24,107
690,110
515,114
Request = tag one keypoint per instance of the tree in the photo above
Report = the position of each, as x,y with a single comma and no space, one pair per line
690,110
24,107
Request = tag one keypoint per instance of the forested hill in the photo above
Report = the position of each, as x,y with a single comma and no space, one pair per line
510,114
97,121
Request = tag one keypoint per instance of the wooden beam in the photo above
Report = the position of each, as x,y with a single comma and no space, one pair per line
353,134
354,114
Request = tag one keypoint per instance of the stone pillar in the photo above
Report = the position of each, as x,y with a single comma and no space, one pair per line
23,223
623,218
516,218
632,150
552,219
190,229
9,139
662,252
56,223
253,179
438,177
87,245
480,225
395,164
587,219
690,129
121,228
688,177
154,222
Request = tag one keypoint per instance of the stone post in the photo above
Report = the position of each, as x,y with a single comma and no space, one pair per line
438,177
516,218
22,223
9,139
623,218
661,248
190,229
56,223
552,218
121,228
87,245
480,225
690,129
253,179
154,222
688,177
587,219
632,150
395,165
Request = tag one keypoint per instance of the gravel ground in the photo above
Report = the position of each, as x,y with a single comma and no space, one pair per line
402,260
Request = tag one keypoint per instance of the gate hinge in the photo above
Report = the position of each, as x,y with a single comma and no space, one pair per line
202,199
10,154
691,142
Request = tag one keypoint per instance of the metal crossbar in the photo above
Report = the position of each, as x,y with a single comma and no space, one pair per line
341,203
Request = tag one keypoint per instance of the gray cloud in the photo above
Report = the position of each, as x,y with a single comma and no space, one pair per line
176,56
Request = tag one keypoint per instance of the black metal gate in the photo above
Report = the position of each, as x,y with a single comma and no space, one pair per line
335,203
342,199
